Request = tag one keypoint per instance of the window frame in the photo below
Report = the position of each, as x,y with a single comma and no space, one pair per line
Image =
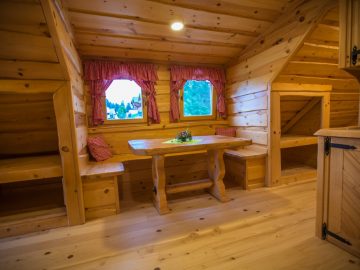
126,121
198,118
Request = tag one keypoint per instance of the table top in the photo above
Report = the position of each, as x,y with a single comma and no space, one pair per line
152,147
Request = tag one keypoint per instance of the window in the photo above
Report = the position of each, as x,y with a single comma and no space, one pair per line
197,100
124,101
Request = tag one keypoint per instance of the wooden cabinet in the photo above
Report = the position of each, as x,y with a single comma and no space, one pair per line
349,34
338,200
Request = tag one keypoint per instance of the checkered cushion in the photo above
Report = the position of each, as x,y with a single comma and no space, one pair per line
98,148
230,132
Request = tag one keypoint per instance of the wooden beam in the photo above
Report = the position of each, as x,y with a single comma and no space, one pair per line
311,104
68,151
188,186
61,37
30,86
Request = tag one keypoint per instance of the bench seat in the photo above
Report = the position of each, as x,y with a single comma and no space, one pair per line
246,166
100,188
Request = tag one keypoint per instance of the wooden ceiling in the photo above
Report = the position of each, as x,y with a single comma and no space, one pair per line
215,30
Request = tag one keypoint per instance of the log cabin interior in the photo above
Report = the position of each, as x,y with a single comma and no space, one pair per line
179,134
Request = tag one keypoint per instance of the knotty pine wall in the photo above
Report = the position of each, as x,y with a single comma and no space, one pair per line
250,76
316,62
29,73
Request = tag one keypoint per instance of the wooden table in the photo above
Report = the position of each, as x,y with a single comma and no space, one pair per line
214,145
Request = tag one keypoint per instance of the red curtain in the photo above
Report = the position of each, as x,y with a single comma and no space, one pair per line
100,75
180,74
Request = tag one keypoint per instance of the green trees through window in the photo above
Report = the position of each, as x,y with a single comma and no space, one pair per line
198,98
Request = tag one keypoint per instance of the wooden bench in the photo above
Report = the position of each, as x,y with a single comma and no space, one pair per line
100,188
246,166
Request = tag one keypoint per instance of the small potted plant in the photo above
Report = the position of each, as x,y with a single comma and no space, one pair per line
184,136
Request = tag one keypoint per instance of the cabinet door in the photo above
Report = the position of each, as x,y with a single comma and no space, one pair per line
344,194
349,32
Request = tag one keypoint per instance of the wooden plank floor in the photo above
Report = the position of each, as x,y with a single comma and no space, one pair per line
259,229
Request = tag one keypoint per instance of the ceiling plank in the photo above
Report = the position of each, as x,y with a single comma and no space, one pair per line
155,45
104,24
114,52
141,10
251,10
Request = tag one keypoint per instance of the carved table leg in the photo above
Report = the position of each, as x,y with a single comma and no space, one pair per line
216,169
159,194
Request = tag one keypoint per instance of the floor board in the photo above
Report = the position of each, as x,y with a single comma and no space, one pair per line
266,228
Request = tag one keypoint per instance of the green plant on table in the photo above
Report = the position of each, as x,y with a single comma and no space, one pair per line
184,136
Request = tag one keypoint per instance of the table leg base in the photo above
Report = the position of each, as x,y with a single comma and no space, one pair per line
218,192
161,208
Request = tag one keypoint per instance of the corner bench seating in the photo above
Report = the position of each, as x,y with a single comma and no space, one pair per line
100,187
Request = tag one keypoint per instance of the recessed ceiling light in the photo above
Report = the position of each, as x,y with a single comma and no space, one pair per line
177,26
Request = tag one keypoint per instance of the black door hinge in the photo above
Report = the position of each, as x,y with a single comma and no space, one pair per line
326,232
354,54
328,145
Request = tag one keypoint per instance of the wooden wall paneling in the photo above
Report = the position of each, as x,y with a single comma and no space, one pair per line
16,46
28,142
69,155
30,86
274,154
261,62
289,26
72,100
257,135
28,70
23,17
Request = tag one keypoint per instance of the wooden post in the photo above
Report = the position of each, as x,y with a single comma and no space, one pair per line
216,169
275,134
159,178
71,175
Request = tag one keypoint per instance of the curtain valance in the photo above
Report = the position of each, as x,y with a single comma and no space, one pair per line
100,75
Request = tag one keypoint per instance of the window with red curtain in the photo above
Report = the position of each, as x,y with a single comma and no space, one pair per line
100,74
179,75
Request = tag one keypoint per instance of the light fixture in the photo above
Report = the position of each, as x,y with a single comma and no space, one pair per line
177,26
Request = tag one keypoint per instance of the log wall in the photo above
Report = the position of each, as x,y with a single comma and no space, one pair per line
250,76
317,62
29,73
